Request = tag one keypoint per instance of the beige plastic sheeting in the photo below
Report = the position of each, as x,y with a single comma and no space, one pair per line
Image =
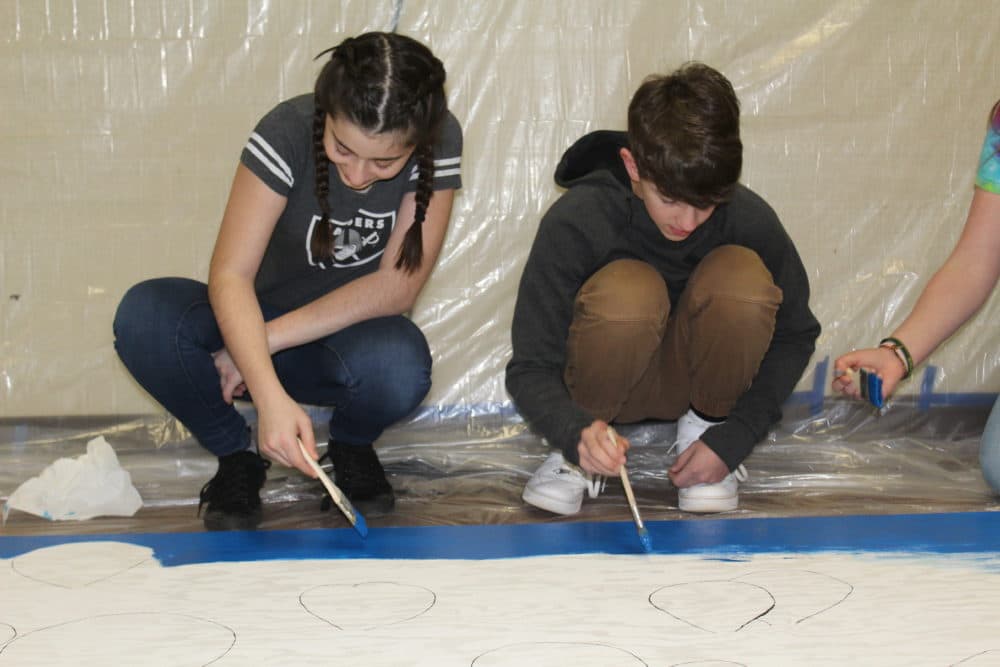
123,121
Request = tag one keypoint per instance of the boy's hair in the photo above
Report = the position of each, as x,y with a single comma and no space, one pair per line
684,133
383,83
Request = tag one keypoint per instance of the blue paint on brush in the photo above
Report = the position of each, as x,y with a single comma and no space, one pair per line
644,539
360,525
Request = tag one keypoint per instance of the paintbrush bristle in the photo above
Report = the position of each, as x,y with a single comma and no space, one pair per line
644,539
360,525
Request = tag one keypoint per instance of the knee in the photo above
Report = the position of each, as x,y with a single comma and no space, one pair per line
135,311
131,309
405,376
624,290
410,349
153,306
736,273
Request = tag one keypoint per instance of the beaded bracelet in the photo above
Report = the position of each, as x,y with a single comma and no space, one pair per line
900,351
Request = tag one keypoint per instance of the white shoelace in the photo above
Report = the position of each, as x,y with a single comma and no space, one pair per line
595,484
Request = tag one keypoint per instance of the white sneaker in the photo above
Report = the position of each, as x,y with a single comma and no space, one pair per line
719,497
558,486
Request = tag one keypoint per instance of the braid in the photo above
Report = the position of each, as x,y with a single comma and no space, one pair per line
384,83
412,251
321,241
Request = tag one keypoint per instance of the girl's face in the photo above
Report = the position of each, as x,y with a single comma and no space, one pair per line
362,159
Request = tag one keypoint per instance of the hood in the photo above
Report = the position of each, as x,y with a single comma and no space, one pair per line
593,152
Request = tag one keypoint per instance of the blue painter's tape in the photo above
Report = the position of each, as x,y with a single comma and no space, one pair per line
818,392
814,398
928,398
972,532
927,388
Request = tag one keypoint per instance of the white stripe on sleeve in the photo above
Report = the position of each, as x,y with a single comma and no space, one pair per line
272,160
438,172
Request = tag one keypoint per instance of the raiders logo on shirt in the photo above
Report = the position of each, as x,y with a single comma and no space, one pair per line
356,241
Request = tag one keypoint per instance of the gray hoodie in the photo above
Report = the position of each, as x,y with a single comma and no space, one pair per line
599,220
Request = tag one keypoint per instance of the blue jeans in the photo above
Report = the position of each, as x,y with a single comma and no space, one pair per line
989,450
372,374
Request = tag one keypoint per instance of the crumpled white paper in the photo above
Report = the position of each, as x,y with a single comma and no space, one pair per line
93,484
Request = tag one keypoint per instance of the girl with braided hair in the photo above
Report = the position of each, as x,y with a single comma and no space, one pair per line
335,220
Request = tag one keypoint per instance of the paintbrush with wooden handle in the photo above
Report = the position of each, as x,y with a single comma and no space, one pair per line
339,499
647,543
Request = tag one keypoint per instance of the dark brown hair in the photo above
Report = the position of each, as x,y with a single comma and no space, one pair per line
684,133
381,82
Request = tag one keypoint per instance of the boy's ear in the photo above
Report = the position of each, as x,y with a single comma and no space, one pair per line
630,166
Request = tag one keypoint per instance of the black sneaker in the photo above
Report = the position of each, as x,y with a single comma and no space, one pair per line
233,495
359,474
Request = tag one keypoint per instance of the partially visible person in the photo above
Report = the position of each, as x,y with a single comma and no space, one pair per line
951,298
658,287
335,220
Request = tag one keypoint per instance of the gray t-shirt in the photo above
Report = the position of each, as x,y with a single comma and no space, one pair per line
280,153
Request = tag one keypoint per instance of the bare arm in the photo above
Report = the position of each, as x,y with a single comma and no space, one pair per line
956,291
961,285
247,225
251,214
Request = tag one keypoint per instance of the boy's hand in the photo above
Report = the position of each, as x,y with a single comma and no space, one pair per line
698,464
598,454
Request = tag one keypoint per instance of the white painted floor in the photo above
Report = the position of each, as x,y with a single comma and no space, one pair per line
112,603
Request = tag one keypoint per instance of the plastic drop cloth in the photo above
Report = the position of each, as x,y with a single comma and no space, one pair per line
861,123
841,461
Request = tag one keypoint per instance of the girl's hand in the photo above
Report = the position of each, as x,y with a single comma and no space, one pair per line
281,424
598,454
882,360
230,378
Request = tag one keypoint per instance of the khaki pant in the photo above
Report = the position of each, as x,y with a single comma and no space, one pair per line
631,356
